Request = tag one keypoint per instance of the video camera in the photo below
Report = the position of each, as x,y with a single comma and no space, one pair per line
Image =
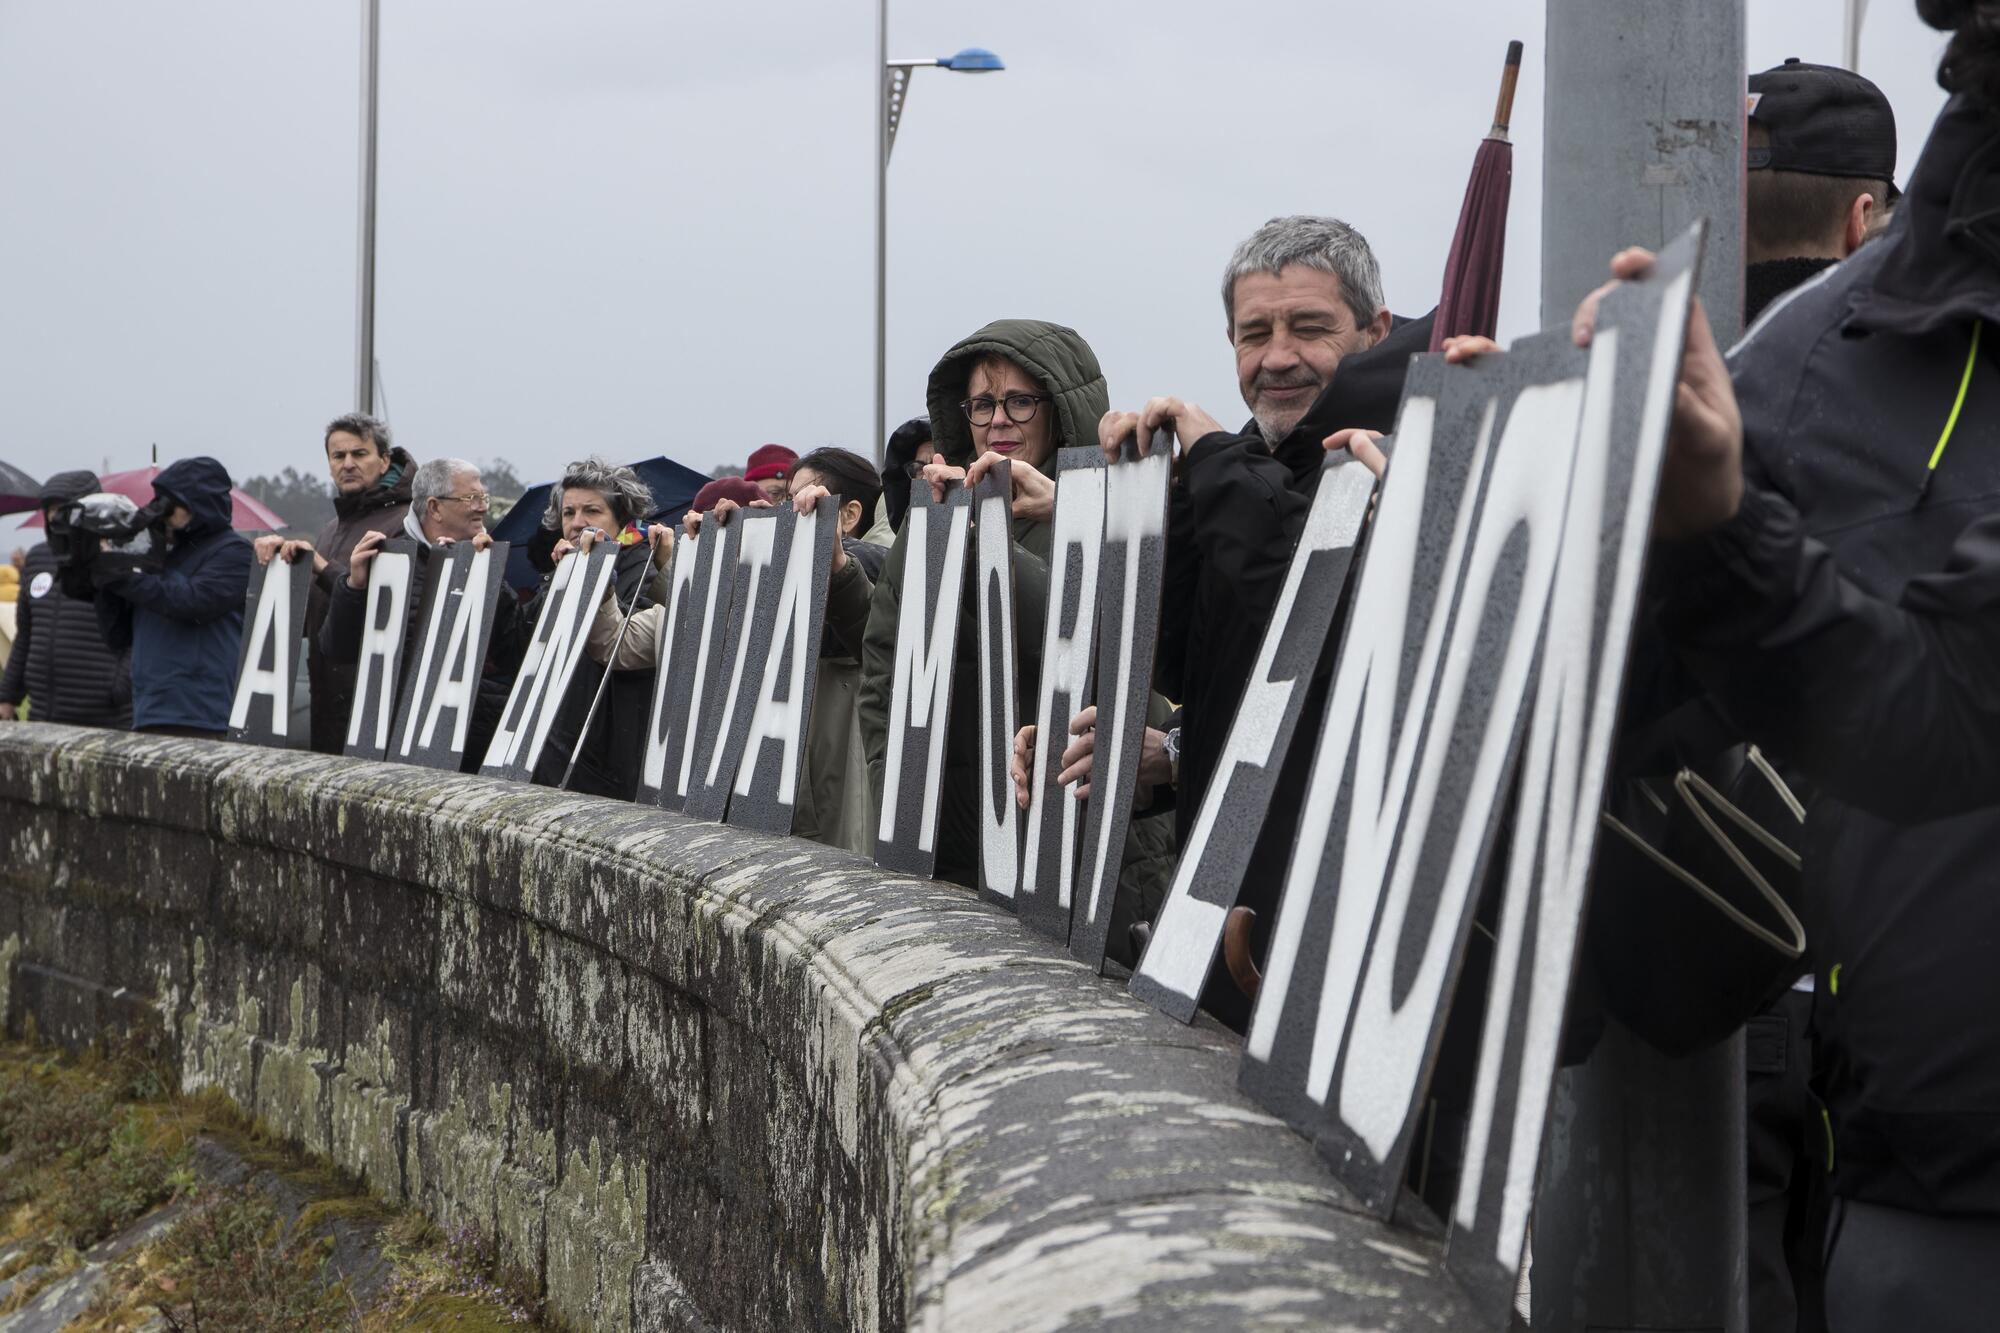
101,536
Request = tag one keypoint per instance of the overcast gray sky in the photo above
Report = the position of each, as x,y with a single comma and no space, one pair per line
630,227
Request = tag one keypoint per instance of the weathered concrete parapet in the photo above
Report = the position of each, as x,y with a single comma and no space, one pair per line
690,1077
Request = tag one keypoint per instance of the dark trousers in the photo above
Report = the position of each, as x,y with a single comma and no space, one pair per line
1785,1156
1888,1271
185,733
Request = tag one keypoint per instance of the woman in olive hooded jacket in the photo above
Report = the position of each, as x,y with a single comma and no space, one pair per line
1070,390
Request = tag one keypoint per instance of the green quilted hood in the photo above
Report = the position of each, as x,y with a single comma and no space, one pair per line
1058,357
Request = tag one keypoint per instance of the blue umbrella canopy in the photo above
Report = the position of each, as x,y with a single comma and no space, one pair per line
673,486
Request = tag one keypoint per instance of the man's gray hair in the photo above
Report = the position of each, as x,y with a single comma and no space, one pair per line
628,496
1327,244
372,430
437,479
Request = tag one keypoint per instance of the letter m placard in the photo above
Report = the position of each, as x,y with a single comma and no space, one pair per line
920,697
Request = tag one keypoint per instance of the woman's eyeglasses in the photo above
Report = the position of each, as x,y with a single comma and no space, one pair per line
1020,407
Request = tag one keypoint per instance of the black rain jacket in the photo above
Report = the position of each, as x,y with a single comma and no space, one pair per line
1789,615
1234,518
61,664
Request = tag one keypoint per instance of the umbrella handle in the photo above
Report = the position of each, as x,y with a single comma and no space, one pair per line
1503,111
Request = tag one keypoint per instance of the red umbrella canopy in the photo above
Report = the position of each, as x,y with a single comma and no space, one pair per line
245,514
1470,302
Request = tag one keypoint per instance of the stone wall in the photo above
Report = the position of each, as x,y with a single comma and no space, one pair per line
691,1078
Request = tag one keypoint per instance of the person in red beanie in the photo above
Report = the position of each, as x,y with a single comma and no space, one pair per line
738,490
771,468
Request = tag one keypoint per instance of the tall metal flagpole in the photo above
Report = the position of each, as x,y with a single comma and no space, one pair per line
881,76
1857,11
364,321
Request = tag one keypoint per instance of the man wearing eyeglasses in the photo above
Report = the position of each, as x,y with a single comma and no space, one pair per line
448,504
371,493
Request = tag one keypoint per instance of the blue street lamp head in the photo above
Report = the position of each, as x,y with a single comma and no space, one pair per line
973,60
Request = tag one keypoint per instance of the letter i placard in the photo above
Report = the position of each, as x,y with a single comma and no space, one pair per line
1132,568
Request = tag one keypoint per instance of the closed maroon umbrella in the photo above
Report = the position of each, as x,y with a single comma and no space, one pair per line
1471,299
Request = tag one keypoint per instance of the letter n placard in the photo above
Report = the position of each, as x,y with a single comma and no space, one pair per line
578,585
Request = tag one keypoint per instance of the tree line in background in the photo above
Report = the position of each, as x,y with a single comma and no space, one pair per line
305,499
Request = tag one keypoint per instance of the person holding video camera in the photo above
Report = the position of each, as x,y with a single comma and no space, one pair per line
180,612
61,666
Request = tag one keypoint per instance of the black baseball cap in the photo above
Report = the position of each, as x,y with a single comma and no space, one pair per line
1823,121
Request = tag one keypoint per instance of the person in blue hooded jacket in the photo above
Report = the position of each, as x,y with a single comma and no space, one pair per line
184,621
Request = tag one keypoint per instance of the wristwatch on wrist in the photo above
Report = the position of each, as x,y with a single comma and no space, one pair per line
1172,746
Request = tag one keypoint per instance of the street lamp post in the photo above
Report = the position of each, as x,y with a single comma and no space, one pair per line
892,90
364,320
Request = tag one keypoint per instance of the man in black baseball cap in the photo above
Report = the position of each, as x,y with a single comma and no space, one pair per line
1822,159
1822,174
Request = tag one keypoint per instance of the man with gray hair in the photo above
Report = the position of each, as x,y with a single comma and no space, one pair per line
448,504
1317,353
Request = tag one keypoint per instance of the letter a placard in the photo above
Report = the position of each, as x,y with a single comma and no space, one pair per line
1494,607
934,549
274,619
454,624
781,667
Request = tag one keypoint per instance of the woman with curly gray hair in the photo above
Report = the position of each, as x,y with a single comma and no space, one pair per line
596,494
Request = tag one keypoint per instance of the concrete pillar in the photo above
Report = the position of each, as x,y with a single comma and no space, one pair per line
1640,1218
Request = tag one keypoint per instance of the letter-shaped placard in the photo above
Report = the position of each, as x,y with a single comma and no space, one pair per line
274,619
1188,930
753,546
703,651
1636,355
1055,818
462,591
999,822
1132,567
763,542
666,729
934,548
390,577
775,697
1403,805
578,585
